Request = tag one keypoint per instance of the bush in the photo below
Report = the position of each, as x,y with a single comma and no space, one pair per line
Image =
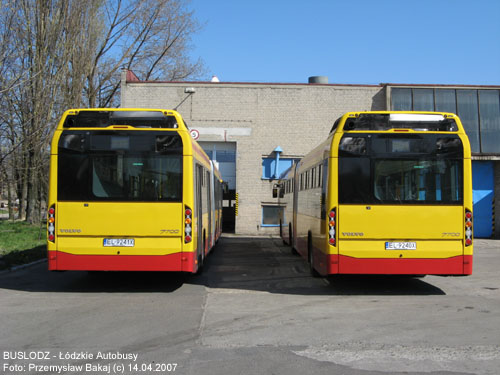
21,243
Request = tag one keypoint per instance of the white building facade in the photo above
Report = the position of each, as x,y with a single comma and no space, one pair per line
247,127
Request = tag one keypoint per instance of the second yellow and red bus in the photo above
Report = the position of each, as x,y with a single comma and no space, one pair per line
385,193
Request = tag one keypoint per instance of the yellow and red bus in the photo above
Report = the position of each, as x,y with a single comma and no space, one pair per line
130,190
385,193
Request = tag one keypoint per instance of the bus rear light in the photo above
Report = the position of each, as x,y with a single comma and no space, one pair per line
332,227
468,227
187,227
51,224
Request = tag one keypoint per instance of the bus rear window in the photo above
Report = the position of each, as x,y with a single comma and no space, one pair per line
395,169
131,166
398,181
417,181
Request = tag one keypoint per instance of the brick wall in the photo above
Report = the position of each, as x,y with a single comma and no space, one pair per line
258,117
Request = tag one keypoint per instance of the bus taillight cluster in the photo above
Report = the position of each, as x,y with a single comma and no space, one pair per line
468,227
332,226
187,224
51,224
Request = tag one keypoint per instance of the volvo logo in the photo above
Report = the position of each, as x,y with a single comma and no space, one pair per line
353,234
70,230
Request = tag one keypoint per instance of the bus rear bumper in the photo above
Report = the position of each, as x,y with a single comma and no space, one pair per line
458,265
177,262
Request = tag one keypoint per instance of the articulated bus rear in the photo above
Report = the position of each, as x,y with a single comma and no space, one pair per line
122,192
404,198
397,200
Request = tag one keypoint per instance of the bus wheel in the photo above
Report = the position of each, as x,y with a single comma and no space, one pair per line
293,250
310,253
201,256
199,271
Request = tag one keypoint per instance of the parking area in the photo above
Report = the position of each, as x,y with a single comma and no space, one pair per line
255,310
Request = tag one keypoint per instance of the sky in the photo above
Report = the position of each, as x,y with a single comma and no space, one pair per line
350,41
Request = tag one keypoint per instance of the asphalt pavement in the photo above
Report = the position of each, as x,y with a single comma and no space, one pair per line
254,310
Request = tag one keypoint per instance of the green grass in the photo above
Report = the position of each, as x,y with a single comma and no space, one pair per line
21,243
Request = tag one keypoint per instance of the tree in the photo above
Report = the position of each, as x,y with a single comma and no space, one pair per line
149,36
56,54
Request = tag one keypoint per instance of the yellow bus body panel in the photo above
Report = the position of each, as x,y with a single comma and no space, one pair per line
406,222
143,246
364,230
425,249
156,227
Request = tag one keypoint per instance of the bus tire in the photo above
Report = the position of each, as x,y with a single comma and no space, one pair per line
199,271
310,253
201,256
292,248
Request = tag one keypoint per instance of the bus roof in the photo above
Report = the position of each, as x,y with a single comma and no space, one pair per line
112,117
141,118
398,121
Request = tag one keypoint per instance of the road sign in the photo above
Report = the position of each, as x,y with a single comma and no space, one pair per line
195,134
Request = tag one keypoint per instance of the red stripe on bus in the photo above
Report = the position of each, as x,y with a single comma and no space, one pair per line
459,265
59,260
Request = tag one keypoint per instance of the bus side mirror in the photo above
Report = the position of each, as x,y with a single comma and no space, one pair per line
275,192
278,191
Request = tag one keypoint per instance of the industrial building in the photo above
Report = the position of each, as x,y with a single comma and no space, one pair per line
256,130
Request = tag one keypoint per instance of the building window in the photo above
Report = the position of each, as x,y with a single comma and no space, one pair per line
401,99
423,100
446,100
272,216
469,115
479,111
489,113
272,171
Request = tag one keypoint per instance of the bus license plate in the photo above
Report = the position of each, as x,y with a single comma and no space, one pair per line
401,246
119,242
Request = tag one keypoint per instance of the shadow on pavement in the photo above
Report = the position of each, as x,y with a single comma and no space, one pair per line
39,279
256,264
265,264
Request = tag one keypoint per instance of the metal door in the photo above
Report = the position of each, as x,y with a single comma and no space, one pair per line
482,196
